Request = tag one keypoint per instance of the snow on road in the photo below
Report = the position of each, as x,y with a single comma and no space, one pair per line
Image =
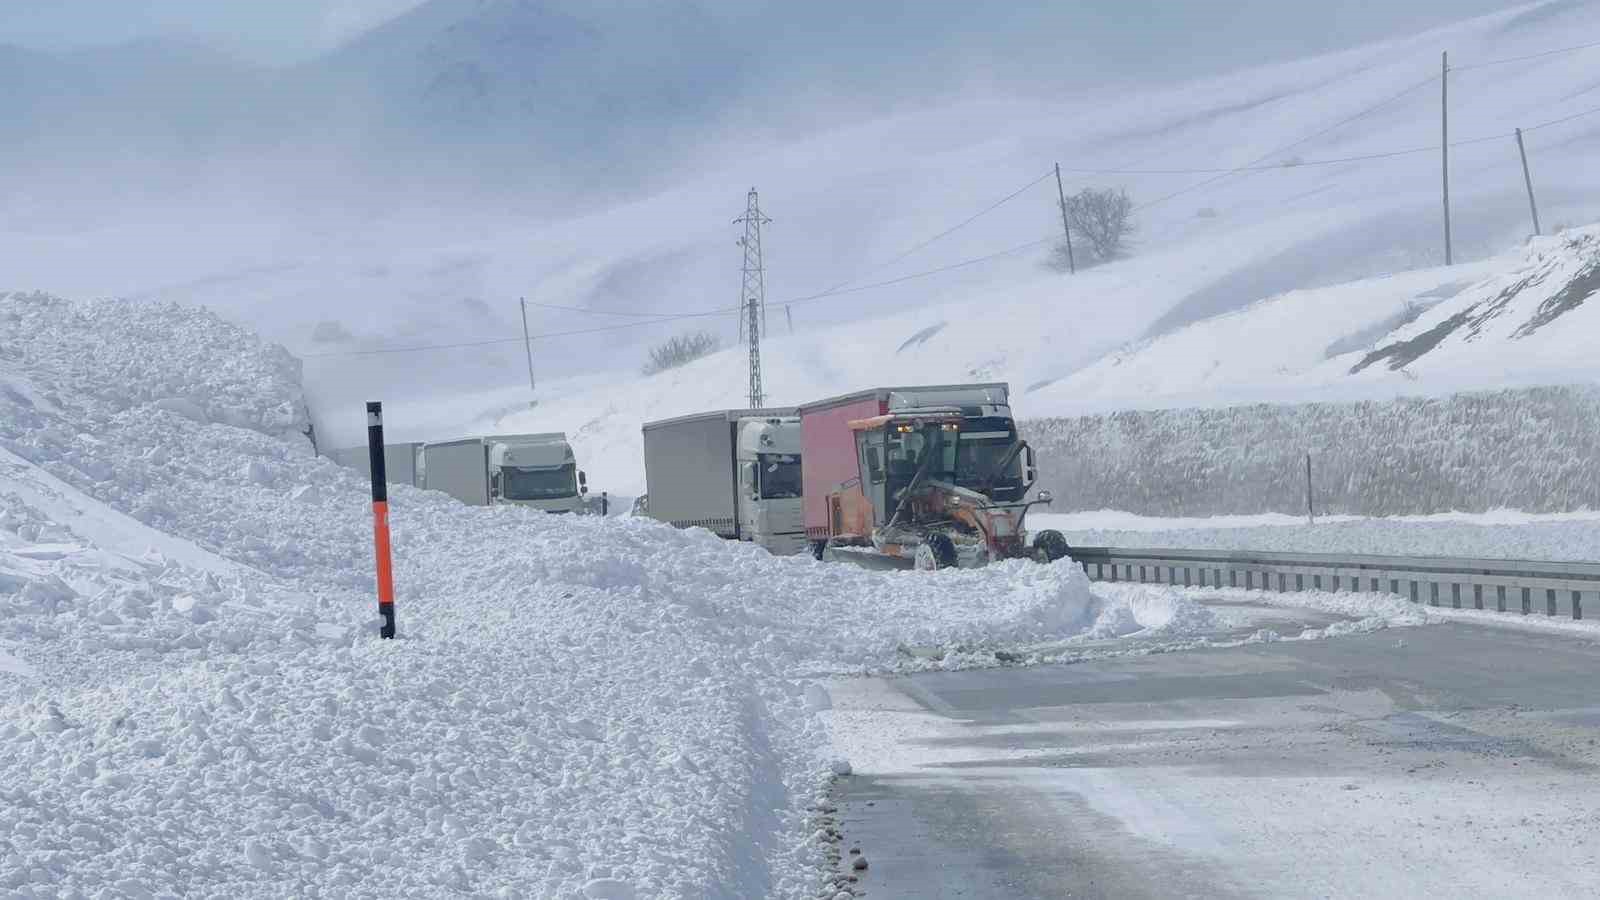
576,707
1440,761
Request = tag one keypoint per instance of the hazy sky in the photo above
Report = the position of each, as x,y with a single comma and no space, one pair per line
263,30
290,30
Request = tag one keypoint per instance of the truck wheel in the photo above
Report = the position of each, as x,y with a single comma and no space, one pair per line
1049,546
818,549
937,552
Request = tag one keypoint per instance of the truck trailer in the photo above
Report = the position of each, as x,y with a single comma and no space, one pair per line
933,476
735,472
536,470
399,461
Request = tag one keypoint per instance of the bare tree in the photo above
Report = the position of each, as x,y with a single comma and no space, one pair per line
1103,220
681,350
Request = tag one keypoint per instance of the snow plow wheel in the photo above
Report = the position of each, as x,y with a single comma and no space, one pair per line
1050,546
937,552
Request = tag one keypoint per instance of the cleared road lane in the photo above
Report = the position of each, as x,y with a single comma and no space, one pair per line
1447,760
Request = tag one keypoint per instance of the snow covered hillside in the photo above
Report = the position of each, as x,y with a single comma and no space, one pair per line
1519,318
1292,348
851,200
193,701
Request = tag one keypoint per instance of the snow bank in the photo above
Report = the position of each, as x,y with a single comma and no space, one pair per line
1534,449
576,706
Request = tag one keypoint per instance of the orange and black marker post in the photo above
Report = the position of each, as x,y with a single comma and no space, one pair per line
380,517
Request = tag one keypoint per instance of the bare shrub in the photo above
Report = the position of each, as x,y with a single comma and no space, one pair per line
1100,219
681,350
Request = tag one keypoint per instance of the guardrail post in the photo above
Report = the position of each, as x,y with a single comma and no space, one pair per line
1550,601
1455,596
1433,593
1477,596
1500,597
1577,604
1527,601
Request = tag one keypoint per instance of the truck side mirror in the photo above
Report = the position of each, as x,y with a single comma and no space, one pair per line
583,483
747,477
1045,497
494,484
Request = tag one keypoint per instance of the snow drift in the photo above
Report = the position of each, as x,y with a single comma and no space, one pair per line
194,701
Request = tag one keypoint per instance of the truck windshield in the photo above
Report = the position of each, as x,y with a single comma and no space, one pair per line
539,484
779,475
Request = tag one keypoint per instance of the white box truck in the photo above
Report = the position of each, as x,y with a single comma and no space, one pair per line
735,472
399,461
536,470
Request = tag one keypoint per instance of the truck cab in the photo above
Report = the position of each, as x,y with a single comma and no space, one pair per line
769,499
536,470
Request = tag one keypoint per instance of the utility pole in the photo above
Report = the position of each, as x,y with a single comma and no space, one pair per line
1528,180
789,314
527,348
1061,194
755,277
754,330
1444,147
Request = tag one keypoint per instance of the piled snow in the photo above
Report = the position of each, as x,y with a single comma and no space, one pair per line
1534,449
194,701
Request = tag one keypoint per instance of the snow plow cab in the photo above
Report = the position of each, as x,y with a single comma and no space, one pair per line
939,485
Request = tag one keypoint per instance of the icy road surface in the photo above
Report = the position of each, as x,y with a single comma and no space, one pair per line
1452,760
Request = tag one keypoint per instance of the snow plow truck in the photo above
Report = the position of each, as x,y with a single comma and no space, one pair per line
929,477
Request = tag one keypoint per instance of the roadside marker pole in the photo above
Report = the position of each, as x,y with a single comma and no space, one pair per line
380,517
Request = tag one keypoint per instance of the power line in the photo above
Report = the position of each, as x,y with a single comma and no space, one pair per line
945,233
672,317
1287,147
598,312
1587,112
1516,59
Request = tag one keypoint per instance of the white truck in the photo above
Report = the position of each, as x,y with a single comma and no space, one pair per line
536,470
735,472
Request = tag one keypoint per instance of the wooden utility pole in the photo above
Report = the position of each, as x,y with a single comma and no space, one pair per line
1311,513
1527,179
1061,194
1444,147
527,348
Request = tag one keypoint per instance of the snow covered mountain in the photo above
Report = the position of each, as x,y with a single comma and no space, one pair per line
865,203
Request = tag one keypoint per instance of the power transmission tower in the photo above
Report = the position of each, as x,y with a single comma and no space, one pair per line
753,329
755,278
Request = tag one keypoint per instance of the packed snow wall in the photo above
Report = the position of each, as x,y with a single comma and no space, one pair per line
1534,449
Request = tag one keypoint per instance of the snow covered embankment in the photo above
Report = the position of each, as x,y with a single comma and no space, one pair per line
577,707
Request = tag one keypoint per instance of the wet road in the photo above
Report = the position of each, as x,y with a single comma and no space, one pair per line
1442,760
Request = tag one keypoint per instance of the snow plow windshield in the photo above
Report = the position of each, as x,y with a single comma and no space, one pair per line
982,462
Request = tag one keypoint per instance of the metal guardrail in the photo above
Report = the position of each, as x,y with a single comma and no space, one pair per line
1504,585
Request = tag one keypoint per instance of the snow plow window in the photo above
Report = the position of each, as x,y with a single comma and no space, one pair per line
907,451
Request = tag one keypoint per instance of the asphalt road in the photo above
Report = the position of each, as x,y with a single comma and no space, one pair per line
1442,760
